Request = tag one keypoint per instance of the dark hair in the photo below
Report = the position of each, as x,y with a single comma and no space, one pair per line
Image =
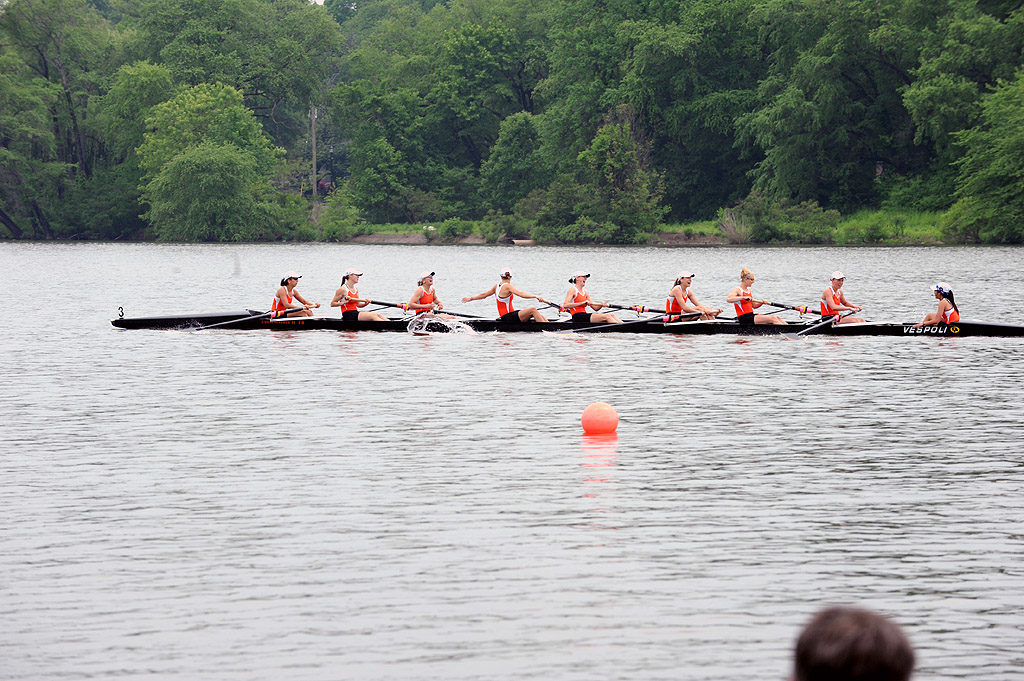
285,281
949,297
848,644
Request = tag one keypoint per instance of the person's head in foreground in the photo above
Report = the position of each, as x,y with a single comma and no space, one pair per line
849,644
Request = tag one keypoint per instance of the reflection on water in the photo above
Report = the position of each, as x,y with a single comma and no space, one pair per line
266,505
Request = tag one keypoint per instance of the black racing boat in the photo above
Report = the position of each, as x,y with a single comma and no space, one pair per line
252,319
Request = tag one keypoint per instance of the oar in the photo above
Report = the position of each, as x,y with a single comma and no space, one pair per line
240,319
617,326
633,308
405,306
828,320
802,309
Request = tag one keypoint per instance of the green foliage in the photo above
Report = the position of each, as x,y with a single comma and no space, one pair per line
378,182
761,219
454,228
557,206
29,167
280,53
497,226
122,111
932,190
203,114
965,221
576,120
340,10
832,111
288,217
890,227
515,166
626,193
992,169
340,220
208,192
104,206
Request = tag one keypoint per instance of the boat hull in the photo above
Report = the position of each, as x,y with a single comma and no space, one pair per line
247,320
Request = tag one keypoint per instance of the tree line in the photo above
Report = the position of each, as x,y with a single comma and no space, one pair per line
573,121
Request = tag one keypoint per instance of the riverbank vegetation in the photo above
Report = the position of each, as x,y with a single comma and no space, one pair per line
676,121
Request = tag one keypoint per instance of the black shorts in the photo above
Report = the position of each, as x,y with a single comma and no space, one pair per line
581,318
746,319
350,315
512,316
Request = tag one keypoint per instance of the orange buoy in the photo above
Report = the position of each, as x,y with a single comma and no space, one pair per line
599,418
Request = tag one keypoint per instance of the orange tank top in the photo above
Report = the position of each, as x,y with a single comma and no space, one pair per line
426,298
278,306
579,302
743,306
672,305
951,316
504,304
836,300
351,305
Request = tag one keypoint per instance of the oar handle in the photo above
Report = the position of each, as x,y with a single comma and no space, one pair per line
639,309
802,309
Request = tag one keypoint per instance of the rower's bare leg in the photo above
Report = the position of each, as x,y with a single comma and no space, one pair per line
526,314
604,318
768,319
851,320
372,317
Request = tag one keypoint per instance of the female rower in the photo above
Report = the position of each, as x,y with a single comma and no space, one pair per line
745,303
948,312
347,298
283,299
425,298
681,299
504,291
577,299
833,300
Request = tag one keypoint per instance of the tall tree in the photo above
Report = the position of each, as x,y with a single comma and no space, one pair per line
60,40
991,205
29,168
277,53
834,119
190,139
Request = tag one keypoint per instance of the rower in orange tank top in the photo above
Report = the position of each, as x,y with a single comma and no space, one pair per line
577,299
833,300
425,298
282,306
745,303
347,298
504,293
681,299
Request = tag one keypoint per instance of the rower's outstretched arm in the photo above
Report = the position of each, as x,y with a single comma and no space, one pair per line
524,294
486,294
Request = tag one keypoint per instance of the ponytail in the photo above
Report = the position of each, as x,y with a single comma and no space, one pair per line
949,297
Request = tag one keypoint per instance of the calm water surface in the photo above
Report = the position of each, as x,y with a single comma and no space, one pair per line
314,505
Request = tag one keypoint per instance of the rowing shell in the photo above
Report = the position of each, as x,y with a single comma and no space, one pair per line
248,321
